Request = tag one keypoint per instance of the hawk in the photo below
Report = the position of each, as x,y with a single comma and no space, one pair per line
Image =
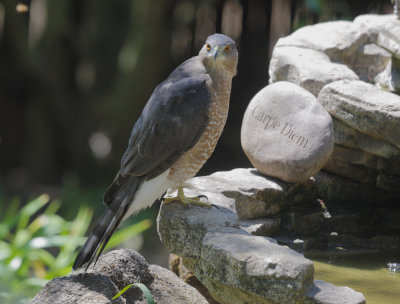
171,140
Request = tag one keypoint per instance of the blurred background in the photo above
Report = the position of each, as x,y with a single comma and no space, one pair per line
75,75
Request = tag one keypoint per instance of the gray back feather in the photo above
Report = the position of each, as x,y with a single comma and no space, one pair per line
171,123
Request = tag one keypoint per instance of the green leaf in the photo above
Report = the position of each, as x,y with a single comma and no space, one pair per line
53,207
143,288
4,231
37,247
146,292
122,291
22,237
55,241
44,256
5,251
10,219
81,221
12,210
125,233
30,209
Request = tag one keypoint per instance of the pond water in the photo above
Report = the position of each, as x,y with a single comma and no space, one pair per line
366,273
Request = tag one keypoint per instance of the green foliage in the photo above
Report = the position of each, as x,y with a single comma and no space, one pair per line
36,245
143,288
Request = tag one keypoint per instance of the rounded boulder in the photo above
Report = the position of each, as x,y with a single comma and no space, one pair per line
286,132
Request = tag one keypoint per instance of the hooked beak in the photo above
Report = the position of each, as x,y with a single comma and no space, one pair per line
215,53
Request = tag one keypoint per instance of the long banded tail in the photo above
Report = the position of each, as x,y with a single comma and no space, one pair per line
108,223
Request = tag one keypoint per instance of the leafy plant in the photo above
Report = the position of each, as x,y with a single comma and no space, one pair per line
143,288
36,245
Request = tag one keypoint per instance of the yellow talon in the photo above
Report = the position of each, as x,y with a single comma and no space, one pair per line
185,200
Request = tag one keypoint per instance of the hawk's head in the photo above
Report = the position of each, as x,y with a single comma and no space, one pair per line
219,54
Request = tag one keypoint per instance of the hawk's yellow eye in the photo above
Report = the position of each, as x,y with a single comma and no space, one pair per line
208,47
227,49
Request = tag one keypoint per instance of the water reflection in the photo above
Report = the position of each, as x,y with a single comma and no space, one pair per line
393,267
374,274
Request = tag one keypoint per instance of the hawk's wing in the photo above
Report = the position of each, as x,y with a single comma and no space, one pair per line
171,123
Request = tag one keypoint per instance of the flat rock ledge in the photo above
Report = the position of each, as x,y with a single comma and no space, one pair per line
221,247
114,271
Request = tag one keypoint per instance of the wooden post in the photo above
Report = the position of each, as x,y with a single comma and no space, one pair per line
396,8
280,22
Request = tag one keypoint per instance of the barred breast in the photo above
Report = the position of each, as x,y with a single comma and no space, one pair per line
192,161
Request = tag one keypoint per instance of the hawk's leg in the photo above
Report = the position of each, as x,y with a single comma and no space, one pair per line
186,200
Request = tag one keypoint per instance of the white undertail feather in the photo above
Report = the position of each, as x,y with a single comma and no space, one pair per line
139,195
149,192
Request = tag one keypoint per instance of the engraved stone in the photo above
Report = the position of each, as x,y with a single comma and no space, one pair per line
286,133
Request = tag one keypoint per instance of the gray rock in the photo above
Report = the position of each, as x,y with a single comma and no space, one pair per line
168,288
337,39
243,264
114,271
324,293
183,228
256,208
396,75
123,267
344,135
388,166
354,164
234,265
354,172
314,223
383,30
286,133
310,69
354,156
263,198
92,288
301,222
340,190
261,226
363,167
175,264
388,79
309,57
388,182
373,64
240,183
365,117
396,9
248,193
365,108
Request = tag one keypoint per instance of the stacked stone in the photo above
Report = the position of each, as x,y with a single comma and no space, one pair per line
354,70
366,131
229,247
